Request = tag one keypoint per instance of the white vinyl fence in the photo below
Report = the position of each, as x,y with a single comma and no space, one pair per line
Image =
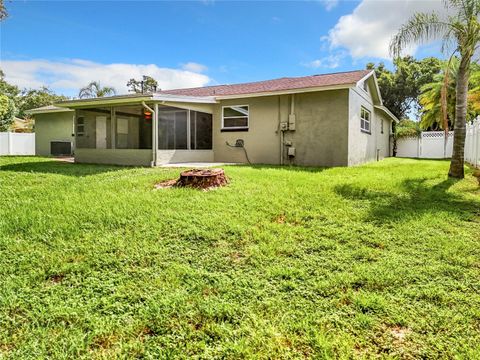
472,143
431,145
17,143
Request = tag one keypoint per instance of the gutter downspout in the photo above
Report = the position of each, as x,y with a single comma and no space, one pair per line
154,132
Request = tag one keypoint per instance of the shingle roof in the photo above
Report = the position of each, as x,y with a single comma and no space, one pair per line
282,84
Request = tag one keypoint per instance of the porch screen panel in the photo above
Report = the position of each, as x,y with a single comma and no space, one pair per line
130,131
200,131
92,128
172,130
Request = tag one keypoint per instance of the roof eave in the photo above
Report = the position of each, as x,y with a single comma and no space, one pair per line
81,103
375,81
286,92
386,111
46,111
185,99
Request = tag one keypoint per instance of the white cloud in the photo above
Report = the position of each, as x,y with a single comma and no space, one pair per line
194,67
368,30
68,76
329,4
328,62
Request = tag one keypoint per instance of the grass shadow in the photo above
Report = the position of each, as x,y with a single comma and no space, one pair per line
60,168
416,198
293,168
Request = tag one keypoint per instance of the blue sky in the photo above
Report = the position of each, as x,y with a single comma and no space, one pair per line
65,44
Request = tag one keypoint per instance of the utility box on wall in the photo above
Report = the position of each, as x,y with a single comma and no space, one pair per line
291,122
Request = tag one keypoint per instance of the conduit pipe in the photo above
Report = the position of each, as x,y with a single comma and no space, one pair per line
280,129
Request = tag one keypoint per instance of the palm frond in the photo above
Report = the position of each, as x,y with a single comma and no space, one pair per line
421,28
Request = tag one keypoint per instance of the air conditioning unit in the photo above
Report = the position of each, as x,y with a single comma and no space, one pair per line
61,148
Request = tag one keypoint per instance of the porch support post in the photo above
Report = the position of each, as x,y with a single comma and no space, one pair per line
155,135
154,131
113,127
189,137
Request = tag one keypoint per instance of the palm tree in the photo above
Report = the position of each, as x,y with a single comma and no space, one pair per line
463,29
432,112
94,90
474,93
434,108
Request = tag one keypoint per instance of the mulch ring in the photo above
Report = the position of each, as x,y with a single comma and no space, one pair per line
202,179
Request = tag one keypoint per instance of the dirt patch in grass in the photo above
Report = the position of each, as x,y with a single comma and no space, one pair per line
400,333
166,184
476,173
56,278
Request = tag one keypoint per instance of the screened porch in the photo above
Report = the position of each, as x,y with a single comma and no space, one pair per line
124,135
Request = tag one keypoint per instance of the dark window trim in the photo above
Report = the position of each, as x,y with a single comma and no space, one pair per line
233,130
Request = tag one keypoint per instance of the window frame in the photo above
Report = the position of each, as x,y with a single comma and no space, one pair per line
77,125
381,126
364,120
235,128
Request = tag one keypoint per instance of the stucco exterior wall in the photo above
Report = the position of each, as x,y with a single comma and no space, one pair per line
49,127
383,139
365,147
321,132
320,136
262,140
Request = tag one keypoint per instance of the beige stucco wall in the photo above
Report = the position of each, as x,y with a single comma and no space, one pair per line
114,156
363,147
262,139
320,136
383,140
53,127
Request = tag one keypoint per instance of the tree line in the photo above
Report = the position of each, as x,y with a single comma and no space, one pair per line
14,102
413,89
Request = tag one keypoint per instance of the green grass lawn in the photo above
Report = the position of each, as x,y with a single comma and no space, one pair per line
381,260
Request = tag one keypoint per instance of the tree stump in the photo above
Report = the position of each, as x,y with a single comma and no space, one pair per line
202,178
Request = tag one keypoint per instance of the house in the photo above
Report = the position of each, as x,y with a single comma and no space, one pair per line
54,130
21,125
322,120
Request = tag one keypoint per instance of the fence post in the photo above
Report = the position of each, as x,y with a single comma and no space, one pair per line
419,145
475,139
10,145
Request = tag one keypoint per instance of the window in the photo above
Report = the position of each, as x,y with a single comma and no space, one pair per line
235,117
381,126
80,126
365,120
365,85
